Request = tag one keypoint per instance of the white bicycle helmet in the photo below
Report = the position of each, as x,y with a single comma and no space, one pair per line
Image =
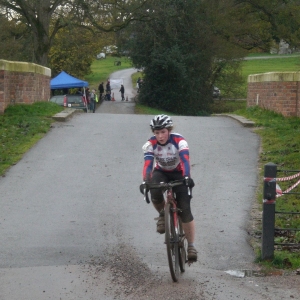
160,122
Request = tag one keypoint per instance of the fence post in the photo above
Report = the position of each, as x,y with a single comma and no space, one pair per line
268,217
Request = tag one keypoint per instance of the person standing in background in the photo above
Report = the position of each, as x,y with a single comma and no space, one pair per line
122,90
138,84
108,90
93,100
101,90
87,97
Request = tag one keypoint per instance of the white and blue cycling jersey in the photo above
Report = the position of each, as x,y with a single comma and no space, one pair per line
173,156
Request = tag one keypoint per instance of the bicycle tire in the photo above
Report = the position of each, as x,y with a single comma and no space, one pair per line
182,247
171,240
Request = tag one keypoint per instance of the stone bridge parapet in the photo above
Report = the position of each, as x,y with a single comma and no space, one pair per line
276,91
22,82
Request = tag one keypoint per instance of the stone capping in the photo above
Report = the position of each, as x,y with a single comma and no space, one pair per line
24,67
274,76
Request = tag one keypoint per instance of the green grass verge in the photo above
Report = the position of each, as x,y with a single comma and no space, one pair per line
282,260
280,138
227,106
21,126
217,107
145,110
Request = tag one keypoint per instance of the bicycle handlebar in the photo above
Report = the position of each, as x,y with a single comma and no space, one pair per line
164,186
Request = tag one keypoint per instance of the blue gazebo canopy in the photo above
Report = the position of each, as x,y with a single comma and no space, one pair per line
65,81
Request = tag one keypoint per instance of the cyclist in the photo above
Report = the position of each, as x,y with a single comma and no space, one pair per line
171,154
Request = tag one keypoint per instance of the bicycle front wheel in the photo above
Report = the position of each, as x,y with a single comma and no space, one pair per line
182,247
172,243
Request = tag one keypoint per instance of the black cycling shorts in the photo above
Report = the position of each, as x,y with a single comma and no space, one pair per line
182,197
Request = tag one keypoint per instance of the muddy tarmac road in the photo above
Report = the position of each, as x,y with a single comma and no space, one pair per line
75,226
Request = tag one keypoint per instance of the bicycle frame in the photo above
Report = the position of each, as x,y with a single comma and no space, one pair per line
169,198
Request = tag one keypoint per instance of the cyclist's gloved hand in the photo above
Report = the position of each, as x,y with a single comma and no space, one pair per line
143,186
189,182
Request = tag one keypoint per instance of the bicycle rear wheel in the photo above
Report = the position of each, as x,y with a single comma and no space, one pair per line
171,240
182,247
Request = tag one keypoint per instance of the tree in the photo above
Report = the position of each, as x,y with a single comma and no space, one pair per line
44,19
15,41
73,50
181,55
264,21
36,15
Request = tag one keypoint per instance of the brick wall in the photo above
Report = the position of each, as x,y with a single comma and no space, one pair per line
276,91
22,82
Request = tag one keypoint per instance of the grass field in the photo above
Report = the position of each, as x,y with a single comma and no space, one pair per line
281,64
101,69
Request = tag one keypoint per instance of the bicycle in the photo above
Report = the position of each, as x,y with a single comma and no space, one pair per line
175,239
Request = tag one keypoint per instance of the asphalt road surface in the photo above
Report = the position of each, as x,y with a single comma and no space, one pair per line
74,224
